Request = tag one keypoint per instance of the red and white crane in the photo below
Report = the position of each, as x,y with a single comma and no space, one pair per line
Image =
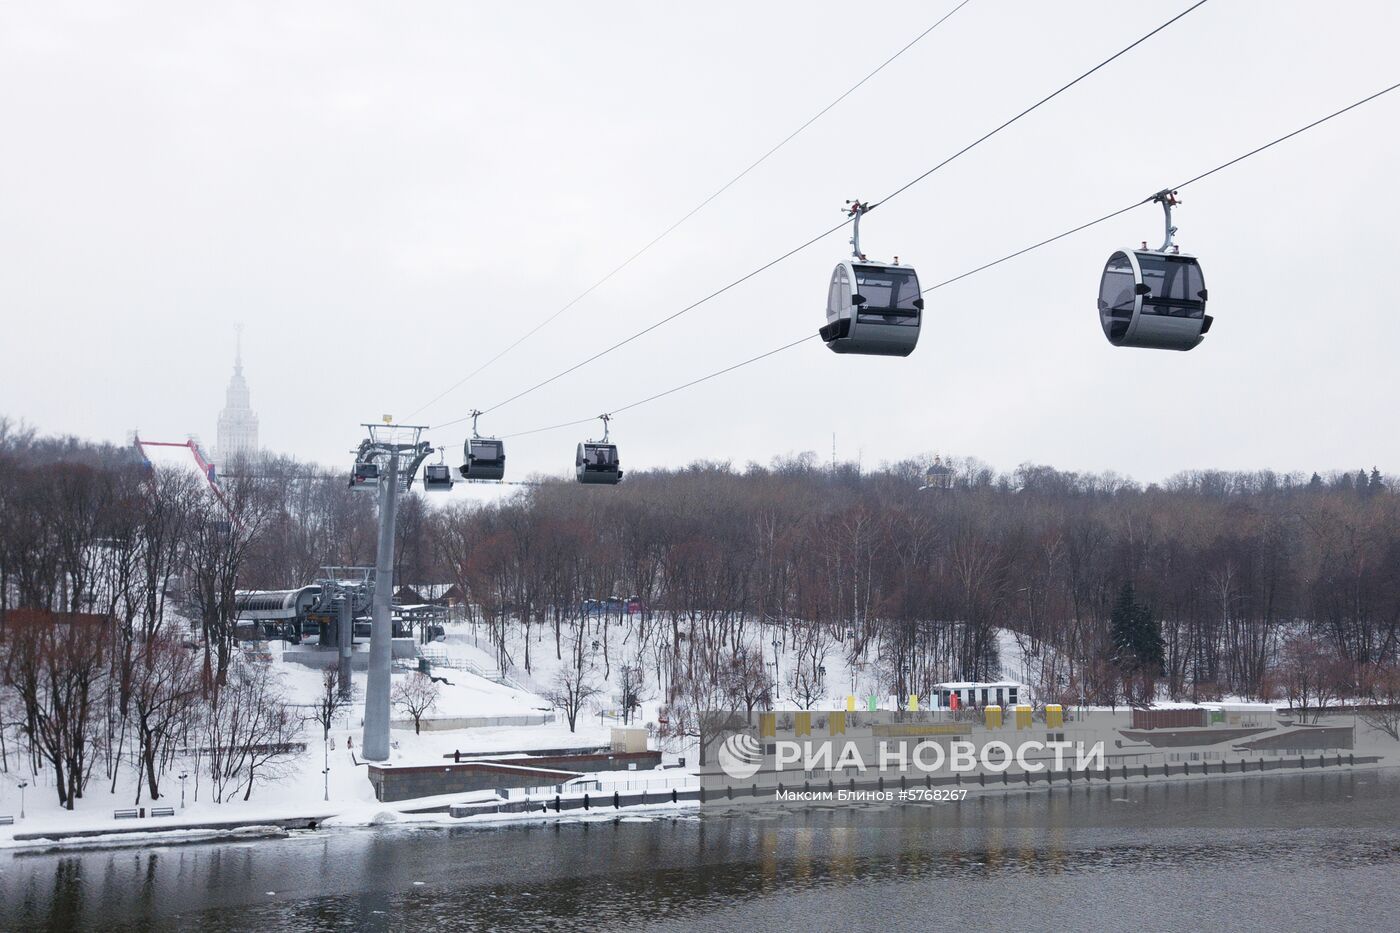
206,466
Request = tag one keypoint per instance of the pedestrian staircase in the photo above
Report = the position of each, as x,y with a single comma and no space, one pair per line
439,658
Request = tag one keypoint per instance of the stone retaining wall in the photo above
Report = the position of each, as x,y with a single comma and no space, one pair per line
404,783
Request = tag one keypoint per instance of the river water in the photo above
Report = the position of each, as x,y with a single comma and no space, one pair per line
1274,852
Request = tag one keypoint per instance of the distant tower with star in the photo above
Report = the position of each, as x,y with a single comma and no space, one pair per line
238,423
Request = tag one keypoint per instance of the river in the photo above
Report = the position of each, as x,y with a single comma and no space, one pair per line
1304,851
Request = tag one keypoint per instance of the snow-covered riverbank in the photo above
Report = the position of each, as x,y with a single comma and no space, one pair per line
325,783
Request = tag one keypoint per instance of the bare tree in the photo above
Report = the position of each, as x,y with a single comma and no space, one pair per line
745,680
806,679
1309,673
165,689
573,686
631,690
170,504
330,703
11,718
700,711
1383,713
57,664
415,695
222,536
249,730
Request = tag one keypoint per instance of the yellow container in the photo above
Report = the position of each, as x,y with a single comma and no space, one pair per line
850,703
993,717
1054,716
1023,717
914,702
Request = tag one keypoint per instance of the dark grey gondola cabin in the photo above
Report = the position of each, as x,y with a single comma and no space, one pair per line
597,464
437,477
483,458
1150,298
873,309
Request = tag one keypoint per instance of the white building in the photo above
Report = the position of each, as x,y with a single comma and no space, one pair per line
238,423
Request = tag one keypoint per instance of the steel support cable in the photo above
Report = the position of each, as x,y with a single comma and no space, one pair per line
648,329
1059,236
1190,181
1044,100
694,210
773,262
671,391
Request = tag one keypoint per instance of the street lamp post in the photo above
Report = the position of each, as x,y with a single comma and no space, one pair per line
22,786
184,775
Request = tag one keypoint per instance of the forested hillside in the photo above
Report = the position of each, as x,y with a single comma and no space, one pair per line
1255,580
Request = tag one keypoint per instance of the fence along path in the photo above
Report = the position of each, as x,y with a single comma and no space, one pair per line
515,679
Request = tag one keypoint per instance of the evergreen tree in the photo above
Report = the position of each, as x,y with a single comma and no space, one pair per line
1343,483
1138,648
1316,482
1377,484
1362,485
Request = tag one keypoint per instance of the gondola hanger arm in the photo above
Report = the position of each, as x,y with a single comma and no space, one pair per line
854,209
1168,199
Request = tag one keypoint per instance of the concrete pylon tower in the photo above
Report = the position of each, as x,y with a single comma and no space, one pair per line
238,423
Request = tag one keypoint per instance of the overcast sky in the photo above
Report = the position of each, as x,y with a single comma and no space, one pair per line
387,195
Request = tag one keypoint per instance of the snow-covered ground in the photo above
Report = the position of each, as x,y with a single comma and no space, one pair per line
301,788
464,694
298,788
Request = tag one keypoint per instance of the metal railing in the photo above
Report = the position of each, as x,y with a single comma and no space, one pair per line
678,782
604,786
517,680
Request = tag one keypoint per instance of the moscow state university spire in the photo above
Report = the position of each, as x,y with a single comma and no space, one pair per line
238,424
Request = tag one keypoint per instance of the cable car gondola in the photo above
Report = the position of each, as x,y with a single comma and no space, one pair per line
437,477
1154,297
596,461
871,308
365,476
483,457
